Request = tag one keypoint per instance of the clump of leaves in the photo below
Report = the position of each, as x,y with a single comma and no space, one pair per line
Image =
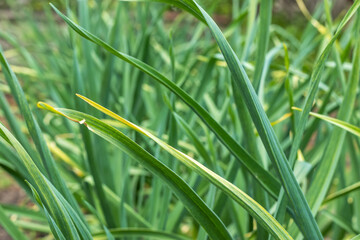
227,110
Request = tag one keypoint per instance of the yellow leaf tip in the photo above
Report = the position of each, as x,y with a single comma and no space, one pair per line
40,104
296,108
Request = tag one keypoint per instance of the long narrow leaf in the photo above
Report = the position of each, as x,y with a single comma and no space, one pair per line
205,216
342,124
259,213
10,227
47,160
270,183
304,217
57,211
342,192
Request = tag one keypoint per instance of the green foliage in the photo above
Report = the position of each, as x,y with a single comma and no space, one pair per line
187,131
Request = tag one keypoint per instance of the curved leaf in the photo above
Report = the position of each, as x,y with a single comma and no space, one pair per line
269,182
68,226
195,205
342,124
257,211
342,192
304,217
48,162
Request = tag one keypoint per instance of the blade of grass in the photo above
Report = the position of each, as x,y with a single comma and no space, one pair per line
24,212
91,145
260,214
353,144
315,81
313,88
325,172
260,174
306,221
251,25
357,237
342,192
33,226
109,65
263,41
53,225
44,187
327,168
342,124
211,223
15,125
35,132
339,221
111,134
251,142
10,227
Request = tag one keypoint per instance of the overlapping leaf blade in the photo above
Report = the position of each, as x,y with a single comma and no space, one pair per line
47,160
331,156
305,219
270,183
205,216
53,204
260,214
339,123
10,227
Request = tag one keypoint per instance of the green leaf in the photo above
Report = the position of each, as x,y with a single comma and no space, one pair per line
23,212
10,227
328,165
263,42
53,226
47,160
315,81
342,192
258,212
343,223
205,216
357,237
304,217
266,180
46,193
323,176
342,124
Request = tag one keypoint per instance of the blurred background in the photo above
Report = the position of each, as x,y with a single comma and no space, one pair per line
30,30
